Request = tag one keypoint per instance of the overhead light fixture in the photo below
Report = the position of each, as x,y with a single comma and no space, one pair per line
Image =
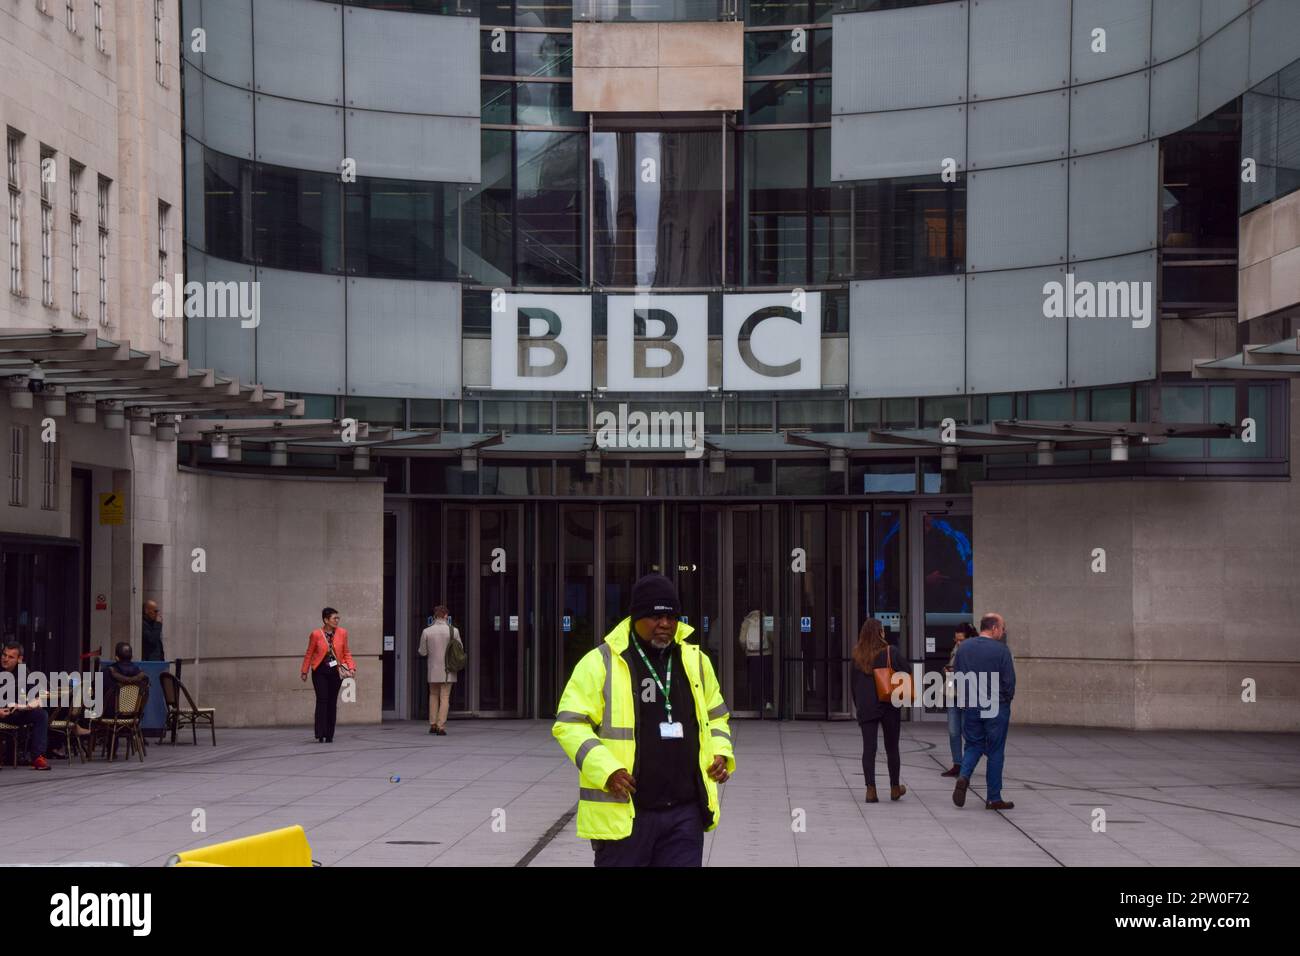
220,447
236,450
591,464
948,458
1046,453
19,396
469,459
279,454
717,462
165,428
141,424
839,460
361,459
114,418
1119,448
56,400
83,408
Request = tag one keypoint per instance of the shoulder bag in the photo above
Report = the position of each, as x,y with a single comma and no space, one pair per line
885,680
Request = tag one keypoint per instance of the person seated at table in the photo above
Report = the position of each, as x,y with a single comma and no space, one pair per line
26,713
122,671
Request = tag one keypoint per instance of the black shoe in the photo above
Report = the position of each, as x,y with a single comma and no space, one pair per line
329,740
432,729
441,732
999,805
320,740
953,771
959,795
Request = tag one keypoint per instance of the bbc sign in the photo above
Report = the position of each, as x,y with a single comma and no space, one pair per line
657,343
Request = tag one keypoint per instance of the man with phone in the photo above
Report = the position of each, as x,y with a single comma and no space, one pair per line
26,713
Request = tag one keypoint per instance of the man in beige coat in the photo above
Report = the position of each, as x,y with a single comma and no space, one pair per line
433,645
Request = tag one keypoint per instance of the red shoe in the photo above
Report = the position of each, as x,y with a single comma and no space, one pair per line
40,763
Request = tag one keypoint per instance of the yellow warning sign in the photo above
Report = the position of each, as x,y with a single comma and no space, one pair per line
112,508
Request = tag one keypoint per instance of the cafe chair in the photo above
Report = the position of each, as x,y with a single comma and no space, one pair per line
66,722
14,734
188,713
132,695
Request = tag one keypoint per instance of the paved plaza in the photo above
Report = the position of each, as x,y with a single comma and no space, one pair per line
495,793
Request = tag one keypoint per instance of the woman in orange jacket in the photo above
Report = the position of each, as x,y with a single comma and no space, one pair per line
329,661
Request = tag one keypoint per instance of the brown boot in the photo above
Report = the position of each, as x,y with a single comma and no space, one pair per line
871,795
896,793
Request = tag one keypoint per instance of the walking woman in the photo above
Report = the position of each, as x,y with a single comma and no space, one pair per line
955,713
329,661
872,651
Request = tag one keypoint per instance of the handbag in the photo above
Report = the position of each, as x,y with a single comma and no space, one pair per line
454,659
886,682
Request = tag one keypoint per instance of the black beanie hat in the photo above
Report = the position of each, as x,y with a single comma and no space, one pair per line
654,594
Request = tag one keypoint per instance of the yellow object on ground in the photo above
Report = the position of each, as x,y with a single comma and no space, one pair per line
287,847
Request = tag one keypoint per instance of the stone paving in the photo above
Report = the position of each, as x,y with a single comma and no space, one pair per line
492,792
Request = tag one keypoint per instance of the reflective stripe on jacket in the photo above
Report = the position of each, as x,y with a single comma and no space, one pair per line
596,722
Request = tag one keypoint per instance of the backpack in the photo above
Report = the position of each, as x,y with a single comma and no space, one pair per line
454,661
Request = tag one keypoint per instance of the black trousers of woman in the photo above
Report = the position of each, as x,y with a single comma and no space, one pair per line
890,721
326,681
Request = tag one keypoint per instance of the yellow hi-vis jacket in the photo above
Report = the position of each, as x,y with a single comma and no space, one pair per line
596,726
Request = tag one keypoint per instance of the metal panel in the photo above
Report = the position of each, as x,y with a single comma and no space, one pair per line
224,344
1019,129
1259,142
1113,202
299,49
1105,350
411,62
1175,28
403,338
191,19
228,25
902,143
1173,94
299,135
907,337
1127,38
1032,34
227,119
1010,345
301,341
1223,65
441,149
1216,13
1016,217
1109,114
1274,37
899,59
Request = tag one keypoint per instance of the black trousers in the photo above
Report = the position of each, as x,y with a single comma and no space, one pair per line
327,681
890,721
669,837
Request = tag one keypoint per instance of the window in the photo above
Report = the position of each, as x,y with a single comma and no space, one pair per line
13,162
103,208
50,476
163,273
48,169
70,14
158,41
17,464
99,25
74,227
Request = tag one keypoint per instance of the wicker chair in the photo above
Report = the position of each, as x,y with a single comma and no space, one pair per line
14,732
132,695
191,714
67,723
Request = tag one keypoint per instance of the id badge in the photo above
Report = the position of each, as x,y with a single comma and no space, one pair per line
334,663
671,731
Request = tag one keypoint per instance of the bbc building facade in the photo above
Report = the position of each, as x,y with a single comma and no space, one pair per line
978,305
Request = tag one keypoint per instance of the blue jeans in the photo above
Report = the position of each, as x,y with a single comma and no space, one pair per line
987,735
954,733
39,721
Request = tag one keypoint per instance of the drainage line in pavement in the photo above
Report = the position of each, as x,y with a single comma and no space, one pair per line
1168,803
548,836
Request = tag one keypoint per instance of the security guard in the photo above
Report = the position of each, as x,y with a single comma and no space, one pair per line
643,719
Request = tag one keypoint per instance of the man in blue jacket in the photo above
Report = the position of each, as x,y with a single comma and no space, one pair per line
986,726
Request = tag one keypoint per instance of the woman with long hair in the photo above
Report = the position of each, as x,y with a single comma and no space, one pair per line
872,651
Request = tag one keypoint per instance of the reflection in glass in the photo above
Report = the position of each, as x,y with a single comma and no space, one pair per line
549,214
296,219
226,186
488,233
776,206
401,228
912,226
658,208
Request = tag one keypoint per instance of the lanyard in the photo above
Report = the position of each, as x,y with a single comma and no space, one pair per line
664,687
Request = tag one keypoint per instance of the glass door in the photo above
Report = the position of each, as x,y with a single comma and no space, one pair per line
943,581
818,601
750,635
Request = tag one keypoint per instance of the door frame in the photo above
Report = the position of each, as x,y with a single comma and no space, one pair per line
402,687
